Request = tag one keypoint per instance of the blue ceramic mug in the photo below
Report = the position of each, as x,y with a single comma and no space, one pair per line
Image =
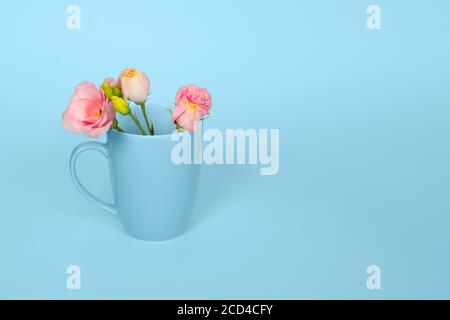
153,197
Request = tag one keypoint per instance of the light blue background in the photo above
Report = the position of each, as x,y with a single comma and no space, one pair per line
364,160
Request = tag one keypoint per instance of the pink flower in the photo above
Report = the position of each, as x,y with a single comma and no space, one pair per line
111,81
191,105
89,112
134,84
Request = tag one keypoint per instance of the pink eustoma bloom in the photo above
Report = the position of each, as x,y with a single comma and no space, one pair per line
192,103
89,112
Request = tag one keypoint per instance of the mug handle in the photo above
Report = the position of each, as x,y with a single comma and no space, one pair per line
95,146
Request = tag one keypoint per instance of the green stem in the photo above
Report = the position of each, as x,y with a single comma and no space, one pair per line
118,128
149,127
136,121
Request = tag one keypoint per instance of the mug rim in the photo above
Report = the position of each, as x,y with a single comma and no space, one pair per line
139,136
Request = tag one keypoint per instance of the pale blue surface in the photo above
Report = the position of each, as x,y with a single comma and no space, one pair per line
364,166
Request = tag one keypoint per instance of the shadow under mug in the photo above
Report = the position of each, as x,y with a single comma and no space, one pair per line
153,197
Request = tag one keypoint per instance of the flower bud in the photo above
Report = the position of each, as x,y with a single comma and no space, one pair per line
117,92
135,85
121,105
107,89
